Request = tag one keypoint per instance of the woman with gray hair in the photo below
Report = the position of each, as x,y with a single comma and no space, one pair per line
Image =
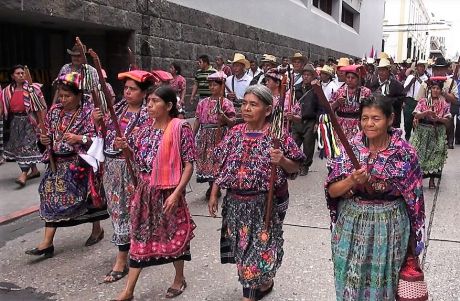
247,155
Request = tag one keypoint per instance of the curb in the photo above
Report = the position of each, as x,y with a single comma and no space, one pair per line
17,214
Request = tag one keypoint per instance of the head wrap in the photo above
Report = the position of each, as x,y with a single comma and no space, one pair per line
140,76
72,79
218,76
274,74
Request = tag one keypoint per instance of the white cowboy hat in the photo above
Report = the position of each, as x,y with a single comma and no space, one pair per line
240,58
384,63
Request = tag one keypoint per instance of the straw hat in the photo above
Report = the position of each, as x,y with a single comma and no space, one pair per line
298,56
268,58
370,61
240,58
422,62
343,61
384,63
75,50
328,70
383,55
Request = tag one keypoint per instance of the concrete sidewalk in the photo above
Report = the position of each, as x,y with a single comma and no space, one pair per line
76,271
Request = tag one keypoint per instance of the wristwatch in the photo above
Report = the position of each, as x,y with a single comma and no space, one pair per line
84,139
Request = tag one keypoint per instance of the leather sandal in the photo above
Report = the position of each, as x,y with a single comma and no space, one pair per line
172,292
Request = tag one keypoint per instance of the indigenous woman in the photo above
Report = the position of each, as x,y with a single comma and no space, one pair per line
178,83
20,111
247,156
213,115
273,82
345,102
377,211
64,192
161,224
131,114
432,116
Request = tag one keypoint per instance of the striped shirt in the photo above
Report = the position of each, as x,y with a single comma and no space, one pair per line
201,78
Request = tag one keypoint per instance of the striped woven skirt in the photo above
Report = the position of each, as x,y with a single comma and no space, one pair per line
369,244
22,144
431,145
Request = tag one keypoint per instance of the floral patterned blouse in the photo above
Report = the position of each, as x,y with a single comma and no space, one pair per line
395,173
178,84
130,123
440,106
245,159
59,122
206,110
148,140
351,104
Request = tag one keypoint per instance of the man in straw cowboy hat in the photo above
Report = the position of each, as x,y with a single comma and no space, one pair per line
384,84
298,61
239,81
450,92
304,132
417,75
268,62
341,78
327,81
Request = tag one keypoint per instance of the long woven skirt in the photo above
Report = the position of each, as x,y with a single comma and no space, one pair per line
118,191
369,244
207,139
64,196
244,241
431,144
156,237
22,143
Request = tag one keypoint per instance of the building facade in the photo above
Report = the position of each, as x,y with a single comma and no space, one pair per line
38,32
406,29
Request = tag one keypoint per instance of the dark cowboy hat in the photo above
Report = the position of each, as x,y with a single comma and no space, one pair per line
441,62
75,50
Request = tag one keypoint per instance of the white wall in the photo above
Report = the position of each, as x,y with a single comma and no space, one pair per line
300,20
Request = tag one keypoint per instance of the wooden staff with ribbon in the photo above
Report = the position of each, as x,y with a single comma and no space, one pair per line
40,109
276,132
126,152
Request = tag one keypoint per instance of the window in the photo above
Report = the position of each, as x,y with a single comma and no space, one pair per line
324,5
348,16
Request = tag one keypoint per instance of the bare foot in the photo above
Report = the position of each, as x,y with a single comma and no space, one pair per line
124,295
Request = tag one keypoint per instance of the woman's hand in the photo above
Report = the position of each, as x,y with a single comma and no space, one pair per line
72,138
170,204
359,177
276,156
45,140
213,205
222,119
120,143
97,115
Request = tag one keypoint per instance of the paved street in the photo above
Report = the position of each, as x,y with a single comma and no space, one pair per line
76,271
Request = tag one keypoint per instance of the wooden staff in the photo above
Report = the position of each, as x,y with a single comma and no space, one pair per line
276,133
126,152
40,118
98,104
219,111
338,129
292,94
132,60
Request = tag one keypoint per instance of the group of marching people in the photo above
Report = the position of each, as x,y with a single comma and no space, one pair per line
376,206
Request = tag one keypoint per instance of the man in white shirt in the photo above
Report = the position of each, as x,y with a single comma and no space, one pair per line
253,70
238,82
411,89
329,86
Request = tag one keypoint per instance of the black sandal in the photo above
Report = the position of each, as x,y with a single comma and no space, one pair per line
116,275
172,292
261,294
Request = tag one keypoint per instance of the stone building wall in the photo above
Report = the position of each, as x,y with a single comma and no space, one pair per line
162,32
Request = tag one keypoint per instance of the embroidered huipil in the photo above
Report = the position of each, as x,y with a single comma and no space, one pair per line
206,110
395,171
245,160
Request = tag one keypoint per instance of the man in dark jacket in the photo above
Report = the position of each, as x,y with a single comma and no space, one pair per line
304,132
384,84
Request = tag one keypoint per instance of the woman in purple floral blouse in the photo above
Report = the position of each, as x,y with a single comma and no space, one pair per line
377,211
246,155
